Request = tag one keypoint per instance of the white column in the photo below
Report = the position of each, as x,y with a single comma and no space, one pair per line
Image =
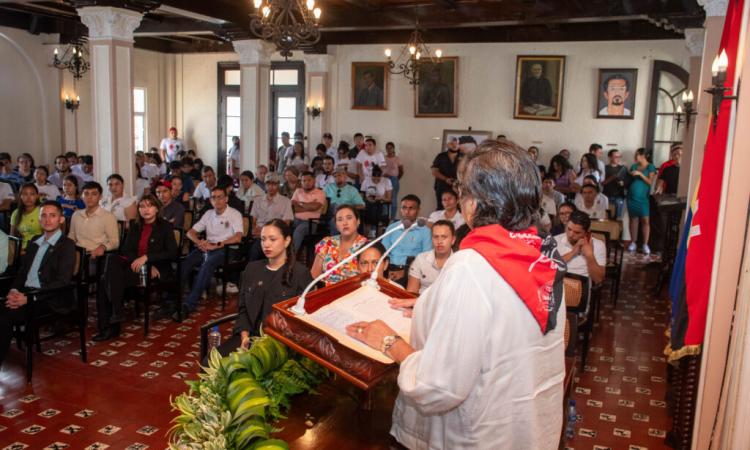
111,47
255,67
317,92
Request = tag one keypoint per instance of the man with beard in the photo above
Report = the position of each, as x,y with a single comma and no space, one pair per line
444,170
616,90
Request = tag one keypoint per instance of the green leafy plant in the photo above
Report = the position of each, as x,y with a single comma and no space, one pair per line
236,400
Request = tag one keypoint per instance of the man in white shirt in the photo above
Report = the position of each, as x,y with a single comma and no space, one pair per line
551,199
170,146
600,198
426,267
331,150
583,254
591,203
203,190
63,170
326,177
369,158
85,170
223,227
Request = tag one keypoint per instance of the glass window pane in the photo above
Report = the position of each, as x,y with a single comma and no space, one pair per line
231,77
663,129
233,126
139,100
287,125
661,153
138,132
233,106
664,103
284,77
286,107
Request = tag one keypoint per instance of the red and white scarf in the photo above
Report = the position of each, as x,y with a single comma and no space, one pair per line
530,265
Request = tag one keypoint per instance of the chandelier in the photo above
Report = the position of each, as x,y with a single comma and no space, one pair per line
289,24
74,59
413,56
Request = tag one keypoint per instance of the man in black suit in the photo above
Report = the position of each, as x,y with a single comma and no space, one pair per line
48,264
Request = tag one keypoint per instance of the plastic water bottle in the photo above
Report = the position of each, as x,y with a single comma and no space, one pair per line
143,274
570,428
214,338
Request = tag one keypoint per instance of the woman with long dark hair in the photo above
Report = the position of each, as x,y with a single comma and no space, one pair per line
24,222
332,249
149,240
298,158
70,200
565,178
266,282
589,167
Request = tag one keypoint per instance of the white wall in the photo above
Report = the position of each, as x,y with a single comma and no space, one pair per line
486,90
155,72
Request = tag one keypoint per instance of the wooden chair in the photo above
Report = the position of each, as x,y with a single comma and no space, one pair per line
613,268
317,229
33,317
206,328
577,294
238,263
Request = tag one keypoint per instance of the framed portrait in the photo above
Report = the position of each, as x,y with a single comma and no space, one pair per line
437,92
615,97
465,140
539,87
370,85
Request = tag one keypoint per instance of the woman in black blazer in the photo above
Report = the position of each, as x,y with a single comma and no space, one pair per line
149,239
265,283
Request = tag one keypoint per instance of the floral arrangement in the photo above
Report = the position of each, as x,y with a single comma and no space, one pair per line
234,403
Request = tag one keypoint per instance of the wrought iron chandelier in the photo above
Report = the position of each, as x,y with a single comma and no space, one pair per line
413,55
289,24
74,59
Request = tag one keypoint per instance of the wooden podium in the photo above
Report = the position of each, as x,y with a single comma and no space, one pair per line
304,338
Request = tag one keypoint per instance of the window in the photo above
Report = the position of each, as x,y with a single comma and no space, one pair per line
139,119
287,101
229,107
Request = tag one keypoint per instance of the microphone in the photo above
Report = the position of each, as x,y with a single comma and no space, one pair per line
299,307
420,222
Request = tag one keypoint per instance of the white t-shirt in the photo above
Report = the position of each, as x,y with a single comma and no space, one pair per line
577,265
117,207
220,227
234,154
369,161
457,219
171,146
150,171
322,180
376,190
425,269
6,191
598,211
550,203
202,191
47,192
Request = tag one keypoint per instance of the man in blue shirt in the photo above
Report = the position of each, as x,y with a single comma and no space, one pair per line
341,193
419,240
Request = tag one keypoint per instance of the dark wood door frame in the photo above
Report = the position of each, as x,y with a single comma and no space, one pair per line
659,67
223,91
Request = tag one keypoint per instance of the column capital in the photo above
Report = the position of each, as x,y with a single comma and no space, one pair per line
694,38
318,63
253,51
108,23
714,8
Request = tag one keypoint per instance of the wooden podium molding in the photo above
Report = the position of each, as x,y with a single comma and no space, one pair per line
304,338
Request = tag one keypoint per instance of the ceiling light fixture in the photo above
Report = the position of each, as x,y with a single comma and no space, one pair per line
74,59
288,24
413,55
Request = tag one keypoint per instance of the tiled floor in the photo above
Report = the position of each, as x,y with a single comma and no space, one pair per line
120,400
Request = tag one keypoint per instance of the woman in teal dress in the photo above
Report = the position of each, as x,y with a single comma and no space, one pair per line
642,174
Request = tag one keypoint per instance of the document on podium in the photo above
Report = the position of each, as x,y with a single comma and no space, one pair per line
364,304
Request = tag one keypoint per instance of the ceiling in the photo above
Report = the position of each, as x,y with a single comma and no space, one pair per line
178,26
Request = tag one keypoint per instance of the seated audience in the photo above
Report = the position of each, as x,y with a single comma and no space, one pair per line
47,190
149,240
47,264
264,283
93,227
367,159
308,203
588,168
563,215
562,172
178,192
70,200
248,189
291,182
341,193
334,249
25,169
223,227
298,159
615,179
450,212
378,191
7,173
328,144
348,164
551,199
62,167
426,267
419,239
267,207
600,198
590,202
326,177
121,205
24,222
367,261
203,191
260,176
583,254
357,146
85,168
172,211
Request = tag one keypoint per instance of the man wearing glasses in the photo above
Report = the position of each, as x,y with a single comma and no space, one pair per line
341,193
223,227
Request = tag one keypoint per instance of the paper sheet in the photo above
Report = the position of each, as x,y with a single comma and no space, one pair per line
364,304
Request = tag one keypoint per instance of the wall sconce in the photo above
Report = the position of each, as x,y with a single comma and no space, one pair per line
314,111
684,116
718,90
71,104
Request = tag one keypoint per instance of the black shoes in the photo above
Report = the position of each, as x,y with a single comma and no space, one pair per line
181,315
111,332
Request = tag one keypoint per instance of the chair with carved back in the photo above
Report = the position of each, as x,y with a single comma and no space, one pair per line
577,294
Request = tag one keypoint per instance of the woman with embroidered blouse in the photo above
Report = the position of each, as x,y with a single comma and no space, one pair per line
333,249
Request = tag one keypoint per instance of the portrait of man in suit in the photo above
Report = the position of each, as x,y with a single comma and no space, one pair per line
436,92
369,86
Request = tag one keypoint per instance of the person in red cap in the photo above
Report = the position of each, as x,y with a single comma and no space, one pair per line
170,146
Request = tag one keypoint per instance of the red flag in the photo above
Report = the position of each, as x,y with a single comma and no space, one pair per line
702,241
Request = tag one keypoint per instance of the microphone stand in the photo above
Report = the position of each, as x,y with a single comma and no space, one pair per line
299,307
372,281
